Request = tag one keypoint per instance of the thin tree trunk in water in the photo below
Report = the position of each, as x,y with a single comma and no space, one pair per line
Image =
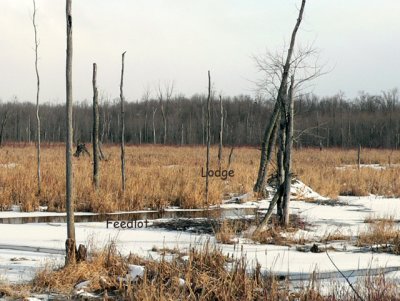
122,124
221,128
268,132
264,223
95,129
208,134
288,155
39,179
71,242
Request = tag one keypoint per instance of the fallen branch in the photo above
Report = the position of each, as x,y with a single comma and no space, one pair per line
344,276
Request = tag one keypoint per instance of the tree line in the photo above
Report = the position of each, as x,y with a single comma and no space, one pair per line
370,120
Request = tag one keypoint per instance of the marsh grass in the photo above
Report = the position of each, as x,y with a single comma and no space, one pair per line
204,274
160,176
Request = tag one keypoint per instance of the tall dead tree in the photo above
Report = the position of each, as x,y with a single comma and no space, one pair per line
164,95
221,128
96,152
121,89
71,242
281,109
267,143
208,134
39,180
287,159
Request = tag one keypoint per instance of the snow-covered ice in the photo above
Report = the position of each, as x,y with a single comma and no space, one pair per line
38,242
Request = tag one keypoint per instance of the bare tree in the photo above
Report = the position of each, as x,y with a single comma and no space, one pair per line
154,126
37,98
71,242
208,134
267,143
165,94
96,153
282,156
122,123
221,129
287,160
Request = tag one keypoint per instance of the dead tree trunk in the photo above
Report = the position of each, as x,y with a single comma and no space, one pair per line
288,154
208,134
71,243
221,110
122,124
267,147
230,159
281,91
282,94
95,129
280,159
39,180
164,122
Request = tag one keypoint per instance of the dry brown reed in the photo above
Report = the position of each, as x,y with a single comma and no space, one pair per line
160,176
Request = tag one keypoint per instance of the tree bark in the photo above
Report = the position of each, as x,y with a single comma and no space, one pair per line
288,154
208,134
95,129
221,128
267,147
264,223
280,160
39,179
69,176
122,123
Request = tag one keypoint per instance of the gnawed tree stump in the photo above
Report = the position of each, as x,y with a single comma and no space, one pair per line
74,255
81,255
70,250
81,150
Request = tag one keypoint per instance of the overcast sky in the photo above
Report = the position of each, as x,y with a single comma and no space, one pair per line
179,40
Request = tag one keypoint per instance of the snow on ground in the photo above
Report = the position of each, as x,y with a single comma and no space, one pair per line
33,242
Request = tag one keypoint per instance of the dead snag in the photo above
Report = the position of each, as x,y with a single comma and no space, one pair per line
123,180
208,134
70,244
96,153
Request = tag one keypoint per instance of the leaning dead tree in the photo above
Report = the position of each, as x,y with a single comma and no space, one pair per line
37,99
96,151
121,89
70,244
280,122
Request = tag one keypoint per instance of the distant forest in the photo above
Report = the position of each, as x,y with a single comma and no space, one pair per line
368,120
